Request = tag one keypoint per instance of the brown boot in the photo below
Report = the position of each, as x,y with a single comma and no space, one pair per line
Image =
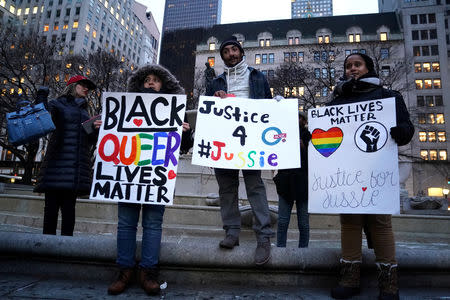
122,282
148,279
387,281
349,281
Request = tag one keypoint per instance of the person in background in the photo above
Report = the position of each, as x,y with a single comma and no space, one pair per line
148,79
66,169
361,83
241,80
292,186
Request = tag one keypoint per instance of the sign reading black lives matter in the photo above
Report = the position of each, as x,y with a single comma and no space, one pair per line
138,148
241,133
352,159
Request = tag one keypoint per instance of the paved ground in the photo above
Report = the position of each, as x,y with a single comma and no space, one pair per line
33,287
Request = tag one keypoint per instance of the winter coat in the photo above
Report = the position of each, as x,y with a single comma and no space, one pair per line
366,89
170,85
292,184
259,87
67,162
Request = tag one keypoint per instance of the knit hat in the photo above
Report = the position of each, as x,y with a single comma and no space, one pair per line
232,40
369,64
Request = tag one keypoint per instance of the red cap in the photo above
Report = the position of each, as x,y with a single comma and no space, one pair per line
82,79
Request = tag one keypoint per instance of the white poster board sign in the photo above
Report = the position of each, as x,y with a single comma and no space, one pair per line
138,148
240,133
352,159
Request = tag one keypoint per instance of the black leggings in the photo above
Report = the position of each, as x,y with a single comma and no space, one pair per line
54,200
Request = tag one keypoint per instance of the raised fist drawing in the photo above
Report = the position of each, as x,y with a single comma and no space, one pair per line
370,135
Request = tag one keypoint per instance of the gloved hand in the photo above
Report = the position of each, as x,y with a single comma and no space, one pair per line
278,98
400,135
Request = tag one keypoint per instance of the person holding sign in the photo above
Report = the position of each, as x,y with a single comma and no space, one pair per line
361,83
240,80
148,79
66,169
292,186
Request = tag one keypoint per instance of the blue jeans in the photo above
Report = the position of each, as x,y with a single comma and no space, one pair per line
284,216
152,218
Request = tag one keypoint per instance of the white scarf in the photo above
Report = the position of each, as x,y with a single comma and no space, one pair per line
238,79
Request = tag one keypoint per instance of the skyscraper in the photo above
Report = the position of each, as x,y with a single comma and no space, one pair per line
311,8
183,14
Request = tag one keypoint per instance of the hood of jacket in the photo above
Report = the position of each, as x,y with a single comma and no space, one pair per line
170,85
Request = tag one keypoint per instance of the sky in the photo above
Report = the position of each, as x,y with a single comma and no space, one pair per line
235,11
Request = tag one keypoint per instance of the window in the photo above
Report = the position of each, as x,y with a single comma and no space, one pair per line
287,56
420,101
413,19
327,39
431,136
425,51
424,154
267,43
431,119
431,18
291,41
441,136
212,46
270,74
88,27
438,100
297,40
419,84
433,34
442,154
434,50
423,19
417,67
427,67
416,51
316,56
317,72
433,154
56,26
351,38
415,35
271,58
212,61
294,56
422,119
46,27
261,42
440,119
383,36
429,101
347,52
300,56
422,136
320,39
384,53
424,34
257,59
75,24
264,58
435,67
385,71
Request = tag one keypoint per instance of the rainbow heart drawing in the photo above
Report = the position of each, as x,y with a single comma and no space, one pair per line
327,142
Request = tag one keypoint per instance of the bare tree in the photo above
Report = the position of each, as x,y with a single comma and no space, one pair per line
26,63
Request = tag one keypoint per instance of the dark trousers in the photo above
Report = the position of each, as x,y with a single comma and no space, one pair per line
55,200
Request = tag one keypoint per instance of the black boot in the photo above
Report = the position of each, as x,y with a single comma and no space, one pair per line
387,281
349,280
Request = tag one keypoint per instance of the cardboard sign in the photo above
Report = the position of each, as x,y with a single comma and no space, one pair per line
240,133
352,159
138,148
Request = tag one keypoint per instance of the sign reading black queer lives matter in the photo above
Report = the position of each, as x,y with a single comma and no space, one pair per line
240,133
138,148
352,159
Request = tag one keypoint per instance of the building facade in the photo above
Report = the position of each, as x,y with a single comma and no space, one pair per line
311,8
183,14
121,27
425,26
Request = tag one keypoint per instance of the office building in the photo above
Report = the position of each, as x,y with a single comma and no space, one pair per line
183,14
311,8
427,47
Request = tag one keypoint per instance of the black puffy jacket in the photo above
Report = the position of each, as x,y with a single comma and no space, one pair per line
67,162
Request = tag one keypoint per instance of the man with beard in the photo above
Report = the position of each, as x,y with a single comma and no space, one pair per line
240,80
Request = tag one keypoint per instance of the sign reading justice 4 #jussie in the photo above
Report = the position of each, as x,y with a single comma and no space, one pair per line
138,148
353,162
240,133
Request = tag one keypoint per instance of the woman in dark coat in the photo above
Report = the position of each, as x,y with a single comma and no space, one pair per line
148,79
361,83
66,169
